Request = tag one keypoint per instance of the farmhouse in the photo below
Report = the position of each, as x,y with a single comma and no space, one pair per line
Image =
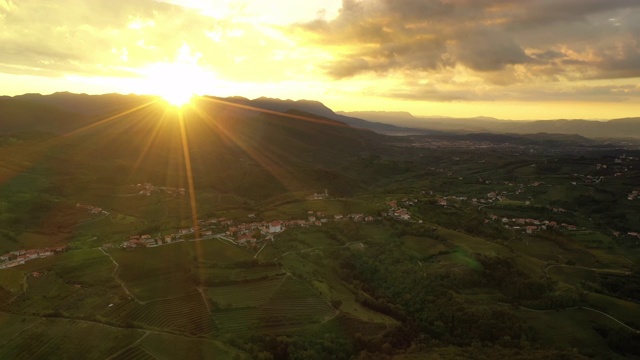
275,227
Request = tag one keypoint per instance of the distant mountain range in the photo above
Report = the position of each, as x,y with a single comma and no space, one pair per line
616,128
66,110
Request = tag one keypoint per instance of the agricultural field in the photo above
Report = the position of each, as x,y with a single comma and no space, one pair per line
49,338
472,244
279,304
450,277
187,314
245,294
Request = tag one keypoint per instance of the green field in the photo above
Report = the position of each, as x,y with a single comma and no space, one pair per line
424,246
66,339
472,243
571,330
280,304
452,282
245,294
627,311
12,280
187,314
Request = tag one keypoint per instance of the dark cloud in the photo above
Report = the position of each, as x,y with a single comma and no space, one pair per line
522,39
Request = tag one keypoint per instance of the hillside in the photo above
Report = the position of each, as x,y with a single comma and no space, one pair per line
26,116
316,107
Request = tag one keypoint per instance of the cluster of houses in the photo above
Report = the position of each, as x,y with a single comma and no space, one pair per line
397,210
246,234
19,257
588,179
148,188
530,225
91,209
319,196
491,197
629,233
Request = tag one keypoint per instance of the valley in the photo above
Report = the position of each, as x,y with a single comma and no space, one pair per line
296,236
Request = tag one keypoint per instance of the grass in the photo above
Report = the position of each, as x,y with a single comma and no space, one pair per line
214,250
423,246
592,239
612,257
572,276
570,329
626,311
38,241
11,279
11,325
472,243
539,248
92,269
298,210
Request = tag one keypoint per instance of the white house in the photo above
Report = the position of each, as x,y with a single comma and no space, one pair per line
275,227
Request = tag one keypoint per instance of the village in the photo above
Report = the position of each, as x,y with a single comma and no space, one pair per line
19,257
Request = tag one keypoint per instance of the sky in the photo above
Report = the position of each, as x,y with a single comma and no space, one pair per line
511,59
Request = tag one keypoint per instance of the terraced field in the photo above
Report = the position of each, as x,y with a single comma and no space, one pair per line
165,346
160,272
67,339
134,353
187,314
150,288
45,292
245,294
293,304
238,320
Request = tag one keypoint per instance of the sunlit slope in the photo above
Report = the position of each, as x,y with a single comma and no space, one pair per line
231,149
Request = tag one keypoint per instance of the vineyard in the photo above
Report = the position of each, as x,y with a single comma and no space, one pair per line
133,353
164,346
156,273
214,250
67,339
186,314
245,294
275,304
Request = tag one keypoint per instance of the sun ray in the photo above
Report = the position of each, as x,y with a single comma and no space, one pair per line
110,118
273,166
273,112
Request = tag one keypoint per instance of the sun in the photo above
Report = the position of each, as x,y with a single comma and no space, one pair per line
177,83
177,98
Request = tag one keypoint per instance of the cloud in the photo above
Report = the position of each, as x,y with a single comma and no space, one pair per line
118,38
521,93
502,41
